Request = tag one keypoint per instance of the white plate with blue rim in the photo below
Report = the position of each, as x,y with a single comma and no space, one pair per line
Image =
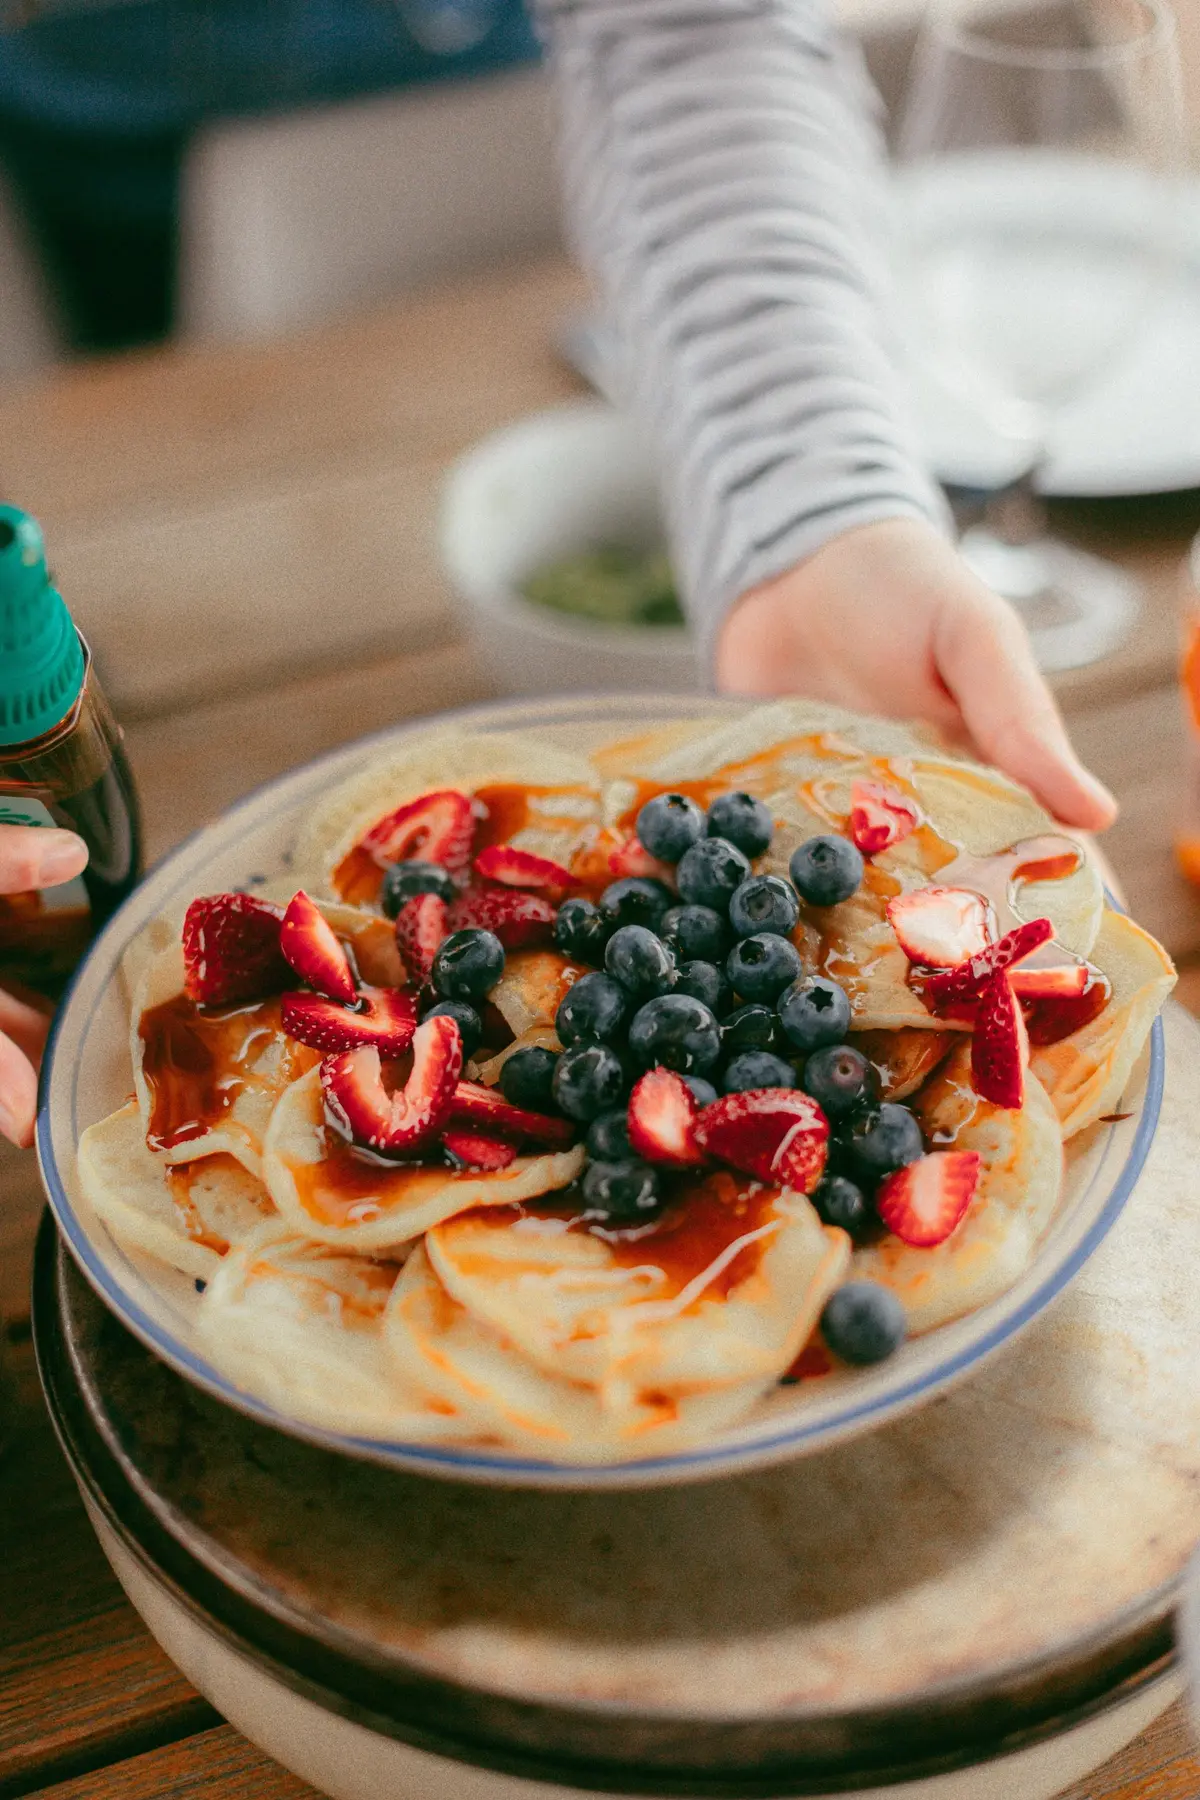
87,1075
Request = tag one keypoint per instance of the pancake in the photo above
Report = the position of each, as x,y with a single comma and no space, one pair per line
301,1326
724,1291
1087,1073
1020,1184
450,758
442,1352
330,1193
186,1216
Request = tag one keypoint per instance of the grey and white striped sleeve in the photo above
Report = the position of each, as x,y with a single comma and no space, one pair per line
724,184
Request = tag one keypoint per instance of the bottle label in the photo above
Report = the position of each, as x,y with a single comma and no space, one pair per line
68,896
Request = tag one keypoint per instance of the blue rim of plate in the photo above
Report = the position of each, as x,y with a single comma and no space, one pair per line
453,1464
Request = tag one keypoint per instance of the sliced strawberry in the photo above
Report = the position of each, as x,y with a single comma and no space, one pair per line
478,1149
1065,981
1000,1046
477,1105
961,987
314,951
361,1105
517,919
421,924
385,1017
774,1134
662,1120
231,949
436,828
880,816
925,1201
940,927
520,868
633,858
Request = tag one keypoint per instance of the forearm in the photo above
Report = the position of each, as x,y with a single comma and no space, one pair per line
724,184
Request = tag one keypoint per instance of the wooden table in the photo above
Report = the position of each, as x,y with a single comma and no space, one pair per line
232,521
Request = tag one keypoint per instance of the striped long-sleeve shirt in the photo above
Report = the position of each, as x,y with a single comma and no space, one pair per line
724,183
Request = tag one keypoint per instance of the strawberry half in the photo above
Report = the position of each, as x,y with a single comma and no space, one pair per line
358,1101
662,1120
312,947
518,919
478,1149
1064,981
940,927
1000,1045
385,1017
961,987
436,828
633,858
477,1105
421,924
520,868
231,950
880,816
925,1201
774,1134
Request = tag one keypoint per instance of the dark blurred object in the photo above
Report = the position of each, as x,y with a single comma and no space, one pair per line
97,106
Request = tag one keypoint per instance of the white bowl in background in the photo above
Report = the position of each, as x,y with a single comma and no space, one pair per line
574,478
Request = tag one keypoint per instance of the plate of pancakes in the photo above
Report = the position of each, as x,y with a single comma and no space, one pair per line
364,1115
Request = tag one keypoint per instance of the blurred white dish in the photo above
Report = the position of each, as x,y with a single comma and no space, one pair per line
577,477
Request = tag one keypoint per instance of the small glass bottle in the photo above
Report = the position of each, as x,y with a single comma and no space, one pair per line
1187,824
61,764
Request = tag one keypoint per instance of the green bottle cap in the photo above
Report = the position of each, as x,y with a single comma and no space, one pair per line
41,657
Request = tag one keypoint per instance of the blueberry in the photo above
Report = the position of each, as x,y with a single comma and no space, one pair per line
883,1139
470,1025
591,1012
840,1079
764,903
582,930
741,820
710,872
761,967
814,1012
403,880
757,1069
753,1027
640,961
695,933
635,900
621,1190
677,1031
840,1201
608,1137
703,1092
670,824
590,1079
825,870
704,981
527,1078
468,964
863,1322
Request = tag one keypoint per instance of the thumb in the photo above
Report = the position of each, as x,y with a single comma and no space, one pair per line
984,658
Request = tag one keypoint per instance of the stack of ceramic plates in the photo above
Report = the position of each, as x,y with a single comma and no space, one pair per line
879,1615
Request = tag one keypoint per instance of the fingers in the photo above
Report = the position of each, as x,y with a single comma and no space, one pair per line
984,658
27,1026
37,857
18,1094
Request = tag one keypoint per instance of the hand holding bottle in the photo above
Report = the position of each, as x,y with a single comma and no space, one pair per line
30,858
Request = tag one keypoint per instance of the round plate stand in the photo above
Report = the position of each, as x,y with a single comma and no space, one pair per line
974,1601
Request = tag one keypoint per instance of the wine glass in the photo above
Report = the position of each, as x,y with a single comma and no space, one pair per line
1037,172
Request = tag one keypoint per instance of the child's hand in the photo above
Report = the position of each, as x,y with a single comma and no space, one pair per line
30,857
888,619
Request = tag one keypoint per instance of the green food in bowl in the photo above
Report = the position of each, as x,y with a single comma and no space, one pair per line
614,585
